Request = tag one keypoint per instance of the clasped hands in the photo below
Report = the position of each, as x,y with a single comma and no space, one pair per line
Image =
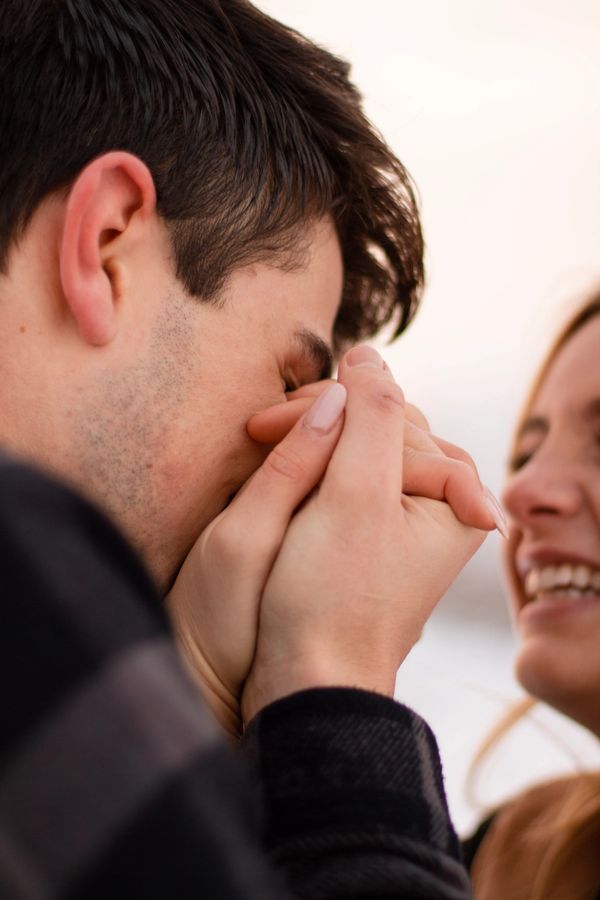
326,565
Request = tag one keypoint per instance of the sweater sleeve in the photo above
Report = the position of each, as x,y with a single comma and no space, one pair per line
354,804
115,782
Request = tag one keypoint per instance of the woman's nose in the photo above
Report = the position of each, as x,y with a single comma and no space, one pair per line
542,487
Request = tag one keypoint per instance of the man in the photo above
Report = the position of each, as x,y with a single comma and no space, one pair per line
195,220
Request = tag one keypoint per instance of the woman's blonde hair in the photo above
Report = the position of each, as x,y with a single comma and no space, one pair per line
589,310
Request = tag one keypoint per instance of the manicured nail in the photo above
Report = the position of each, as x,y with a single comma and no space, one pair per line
498,514
364,357
327,409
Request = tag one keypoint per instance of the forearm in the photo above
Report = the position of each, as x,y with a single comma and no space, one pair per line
353,798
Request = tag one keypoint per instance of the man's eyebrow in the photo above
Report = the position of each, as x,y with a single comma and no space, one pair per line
319,353
533,423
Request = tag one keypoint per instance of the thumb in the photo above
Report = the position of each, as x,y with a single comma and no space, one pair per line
259,514
216,598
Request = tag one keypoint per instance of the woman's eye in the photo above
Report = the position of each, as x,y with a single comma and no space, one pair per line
518,461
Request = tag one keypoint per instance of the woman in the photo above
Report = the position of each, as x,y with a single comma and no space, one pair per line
546,842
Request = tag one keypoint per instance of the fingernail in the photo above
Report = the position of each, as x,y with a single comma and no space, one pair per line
364,357
498,514
327,409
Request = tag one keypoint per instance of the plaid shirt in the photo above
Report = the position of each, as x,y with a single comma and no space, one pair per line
115,781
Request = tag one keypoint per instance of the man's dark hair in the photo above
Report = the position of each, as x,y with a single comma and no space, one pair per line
249,130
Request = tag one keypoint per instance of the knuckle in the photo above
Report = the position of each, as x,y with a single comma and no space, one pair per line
470,462
461,473
410,454
419,439
385,396
464,457
468,471
233,545
464,488
225,540
284,463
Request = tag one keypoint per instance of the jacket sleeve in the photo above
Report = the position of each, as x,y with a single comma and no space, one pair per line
115,781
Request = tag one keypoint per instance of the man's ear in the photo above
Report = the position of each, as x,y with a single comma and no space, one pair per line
112,194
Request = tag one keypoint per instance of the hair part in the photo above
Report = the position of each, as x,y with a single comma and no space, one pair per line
249,130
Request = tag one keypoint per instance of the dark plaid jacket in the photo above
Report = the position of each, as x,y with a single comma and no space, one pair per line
115,782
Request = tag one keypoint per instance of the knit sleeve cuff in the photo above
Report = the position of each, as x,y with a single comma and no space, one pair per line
339,758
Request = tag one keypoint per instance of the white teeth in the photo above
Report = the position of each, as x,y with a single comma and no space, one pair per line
532,582
581,576
548,577
564,579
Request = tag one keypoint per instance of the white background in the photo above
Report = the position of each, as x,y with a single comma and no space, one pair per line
494,107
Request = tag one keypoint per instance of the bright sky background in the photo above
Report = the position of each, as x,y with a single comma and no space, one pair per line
494,107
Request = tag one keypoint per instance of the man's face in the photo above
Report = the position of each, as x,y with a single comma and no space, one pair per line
163,440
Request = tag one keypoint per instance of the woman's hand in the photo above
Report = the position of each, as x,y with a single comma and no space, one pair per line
215,602
363,564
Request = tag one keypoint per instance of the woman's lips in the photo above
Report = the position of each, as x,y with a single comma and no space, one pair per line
557,607
554,585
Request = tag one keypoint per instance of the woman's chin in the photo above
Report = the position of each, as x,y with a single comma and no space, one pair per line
547,670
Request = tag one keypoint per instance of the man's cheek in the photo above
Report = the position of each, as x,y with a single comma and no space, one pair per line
243,465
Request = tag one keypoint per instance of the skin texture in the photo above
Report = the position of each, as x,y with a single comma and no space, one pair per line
553,500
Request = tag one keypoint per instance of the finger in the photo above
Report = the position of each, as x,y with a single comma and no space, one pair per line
270,426
312,389
259,514
439,477
367,465
453,476
454,452
416,417
416,437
